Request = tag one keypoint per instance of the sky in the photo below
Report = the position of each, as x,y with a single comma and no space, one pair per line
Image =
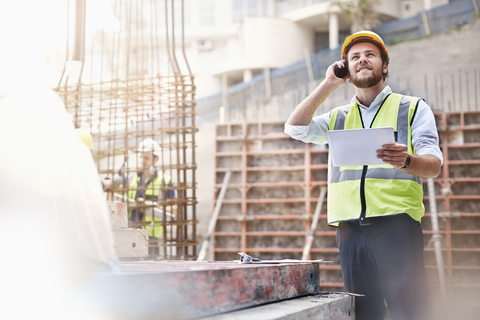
33,37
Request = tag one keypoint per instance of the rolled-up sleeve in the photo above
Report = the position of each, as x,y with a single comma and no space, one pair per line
424,132
315,132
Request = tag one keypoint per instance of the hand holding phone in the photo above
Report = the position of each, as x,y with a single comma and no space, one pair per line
341,73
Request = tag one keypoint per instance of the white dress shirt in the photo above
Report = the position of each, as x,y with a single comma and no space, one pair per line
424,130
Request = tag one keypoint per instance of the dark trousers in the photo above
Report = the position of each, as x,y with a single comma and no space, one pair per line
384,261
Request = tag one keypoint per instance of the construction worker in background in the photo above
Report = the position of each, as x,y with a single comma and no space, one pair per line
146,184
376,209
87,139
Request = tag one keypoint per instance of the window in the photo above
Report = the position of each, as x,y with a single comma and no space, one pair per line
237,11
206,12
248,8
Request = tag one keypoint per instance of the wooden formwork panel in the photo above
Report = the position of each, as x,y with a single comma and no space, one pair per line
276,182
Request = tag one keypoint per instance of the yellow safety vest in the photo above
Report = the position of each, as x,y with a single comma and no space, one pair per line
152,190
360,192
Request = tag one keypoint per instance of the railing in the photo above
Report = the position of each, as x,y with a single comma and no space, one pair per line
438,20
288,86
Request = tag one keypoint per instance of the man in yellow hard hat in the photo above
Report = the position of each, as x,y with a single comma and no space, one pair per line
376,209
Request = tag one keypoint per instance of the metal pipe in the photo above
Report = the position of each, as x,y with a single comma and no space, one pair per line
79,44
213,222
436,238
316,215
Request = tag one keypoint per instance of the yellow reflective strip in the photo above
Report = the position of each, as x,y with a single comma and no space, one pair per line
351,168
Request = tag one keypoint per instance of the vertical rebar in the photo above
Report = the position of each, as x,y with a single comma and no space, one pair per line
132,106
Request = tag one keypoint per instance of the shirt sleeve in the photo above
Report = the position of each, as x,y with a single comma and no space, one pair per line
315,132
424,132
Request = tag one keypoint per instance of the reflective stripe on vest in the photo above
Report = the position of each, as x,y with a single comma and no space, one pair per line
152,190
359,192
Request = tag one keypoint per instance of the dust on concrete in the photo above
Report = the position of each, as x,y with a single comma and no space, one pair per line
229,162
471,136
463,153
275,193
228,226
276,209
276,225
275,242
231,209
275,176
229,146
235,177
284,160
285,144
464,171
228,242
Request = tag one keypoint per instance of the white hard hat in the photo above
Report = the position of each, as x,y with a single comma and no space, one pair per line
149,145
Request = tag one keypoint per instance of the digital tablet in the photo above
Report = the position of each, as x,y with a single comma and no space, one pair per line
358,147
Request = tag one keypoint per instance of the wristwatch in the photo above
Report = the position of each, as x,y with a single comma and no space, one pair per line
407,162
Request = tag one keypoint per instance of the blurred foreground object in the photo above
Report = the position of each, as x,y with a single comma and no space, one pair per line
52,205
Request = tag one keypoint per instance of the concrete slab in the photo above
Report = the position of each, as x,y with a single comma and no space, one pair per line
338,306
131,243
191,289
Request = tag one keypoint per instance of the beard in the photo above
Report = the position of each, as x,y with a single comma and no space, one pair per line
367,82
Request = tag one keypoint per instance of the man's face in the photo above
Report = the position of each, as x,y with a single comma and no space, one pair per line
365,65
147,159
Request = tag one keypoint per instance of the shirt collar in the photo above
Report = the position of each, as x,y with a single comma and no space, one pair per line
378,99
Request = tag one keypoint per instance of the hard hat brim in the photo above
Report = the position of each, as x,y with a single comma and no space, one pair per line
359,37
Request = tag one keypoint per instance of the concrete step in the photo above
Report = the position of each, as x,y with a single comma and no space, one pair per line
339,306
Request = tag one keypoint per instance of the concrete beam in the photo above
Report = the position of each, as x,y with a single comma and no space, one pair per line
191,290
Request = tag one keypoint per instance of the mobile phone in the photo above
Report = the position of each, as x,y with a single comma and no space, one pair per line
343,72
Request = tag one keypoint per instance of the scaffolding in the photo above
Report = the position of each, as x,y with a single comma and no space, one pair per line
131,88
275,186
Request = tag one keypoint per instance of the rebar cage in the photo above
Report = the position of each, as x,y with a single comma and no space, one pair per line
140,94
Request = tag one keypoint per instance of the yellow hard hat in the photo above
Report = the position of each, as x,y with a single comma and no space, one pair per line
363,36
86,137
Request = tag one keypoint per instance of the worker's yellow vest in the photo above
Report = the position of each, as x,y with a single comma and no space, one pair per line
360,192
152,190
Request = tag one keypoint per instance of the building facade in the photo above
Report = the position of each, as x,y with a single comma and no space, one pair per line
230,41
